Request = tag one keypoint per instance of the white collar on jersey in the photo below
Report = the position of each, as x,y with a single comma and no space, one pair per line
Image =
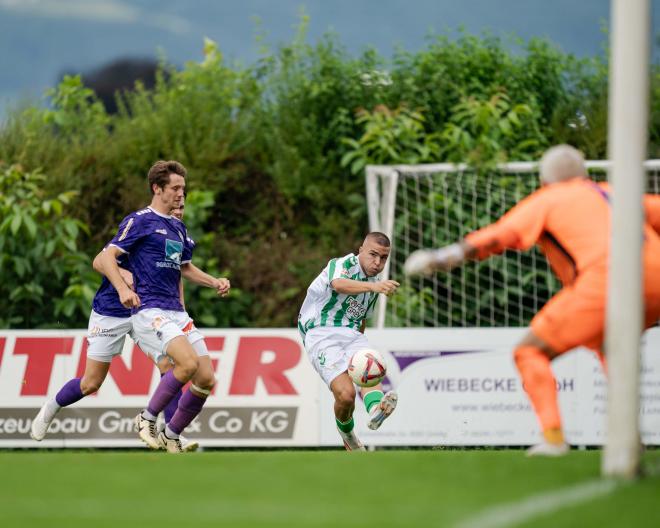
159,214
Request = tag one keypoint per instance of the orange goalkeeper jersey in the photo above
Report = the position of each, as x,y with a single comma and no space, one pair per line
570,221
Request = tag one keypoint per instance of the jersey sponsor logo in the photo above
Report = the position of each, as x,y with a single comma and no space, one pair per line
345,273
157,323
173,250
124,233
97,331
356,309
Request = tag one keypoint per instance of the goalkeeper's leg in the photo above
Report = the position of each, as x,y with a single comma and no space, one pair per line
533,363
573,317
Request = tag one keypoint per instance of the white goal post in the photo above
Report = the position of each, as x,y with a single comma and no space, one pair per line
627,148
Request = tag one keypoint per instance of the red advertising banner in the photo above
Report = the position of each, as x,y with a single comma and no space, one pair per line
266,394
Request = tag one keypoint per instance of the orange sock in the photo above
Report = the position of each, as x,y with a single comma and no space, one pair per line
539,382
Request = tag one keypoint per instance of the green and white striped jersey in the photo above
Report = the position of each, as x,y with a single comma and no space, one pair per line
323,306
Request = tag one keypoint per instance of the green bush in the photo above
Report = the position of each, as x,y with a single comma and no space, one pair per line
275,152
47,280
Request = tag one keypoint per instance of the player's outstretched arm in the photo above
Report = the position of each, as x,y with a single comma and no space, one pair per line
352,287
194,274
97,264
108,263
426,261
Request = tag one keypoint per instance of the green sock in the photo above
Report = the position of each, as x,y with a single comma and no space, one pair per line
372,398
347,426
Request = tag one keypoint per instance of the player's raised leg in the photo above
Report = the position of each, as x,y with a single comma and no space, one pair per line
191,403
379,406
102,347
71,392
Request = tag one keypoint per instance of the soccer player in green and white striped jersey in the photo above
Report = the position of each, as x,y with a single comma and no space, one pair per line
332,322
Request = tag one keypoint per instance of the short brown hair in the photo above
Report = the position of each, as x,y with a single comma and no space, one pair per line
159,173
380,238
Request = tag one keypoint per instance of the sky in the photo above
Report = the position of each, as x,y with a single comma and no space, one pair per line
41,39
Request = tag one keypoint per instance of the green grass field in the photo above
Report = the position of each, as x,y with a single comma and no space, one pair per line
415,488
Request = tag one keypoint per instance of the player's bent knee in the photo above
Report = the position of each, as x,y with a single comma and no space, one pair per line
188,366
519,355
346,397
205,383
164,365
90,386
524,354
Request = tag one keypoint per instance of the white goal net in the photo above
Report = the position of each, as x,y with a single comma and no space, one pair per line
435,205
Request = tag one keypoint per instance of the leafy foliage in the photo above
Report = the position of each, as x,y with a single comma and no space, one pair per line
275,152
46,279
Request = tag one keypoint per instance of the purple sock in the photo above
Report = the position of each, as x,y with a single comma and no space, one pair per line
69,393
166,390
189,407
170,408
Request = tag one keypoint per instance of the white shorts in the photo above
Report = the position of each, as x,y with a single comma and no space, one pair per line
106,336
330,348
154,328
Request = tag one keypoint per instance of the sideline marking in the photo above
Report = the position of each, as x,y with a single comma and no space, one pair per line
512,513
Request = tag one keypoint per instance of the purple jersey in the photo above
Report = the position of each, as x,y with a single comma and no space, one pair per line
156,245
106,300
191,248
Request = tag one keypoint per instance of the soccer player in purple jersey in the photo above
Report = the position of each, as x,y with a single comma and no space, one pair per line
109,323
160,253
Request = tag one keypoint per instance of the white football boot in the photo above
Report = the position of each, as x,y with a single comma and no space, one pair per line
147,432
382,410
546,449
171,445
42,420
187,444
351,441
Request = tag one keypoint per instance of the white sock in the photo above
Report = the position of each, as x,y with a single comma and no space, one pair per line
51,408
170,434
148,416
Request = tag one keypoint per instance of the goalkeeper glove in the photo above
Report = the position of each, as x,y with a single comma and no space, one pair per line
425,261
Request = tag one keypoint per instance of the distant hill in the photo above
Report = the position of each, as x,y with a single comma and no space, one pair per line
43,38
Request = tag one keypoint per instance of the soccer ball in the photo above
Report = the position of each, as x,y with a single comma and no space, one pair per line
367,368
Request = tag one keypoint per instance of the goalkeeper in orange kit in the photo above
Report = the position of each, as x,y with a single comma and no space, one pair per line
569,218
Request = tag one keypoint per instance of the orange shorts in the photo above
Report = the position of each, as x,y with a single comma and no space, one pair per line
576,315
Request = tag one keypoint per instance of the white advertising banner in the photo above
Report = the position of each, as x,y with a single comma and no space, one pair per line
456,387
266,392
460,387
